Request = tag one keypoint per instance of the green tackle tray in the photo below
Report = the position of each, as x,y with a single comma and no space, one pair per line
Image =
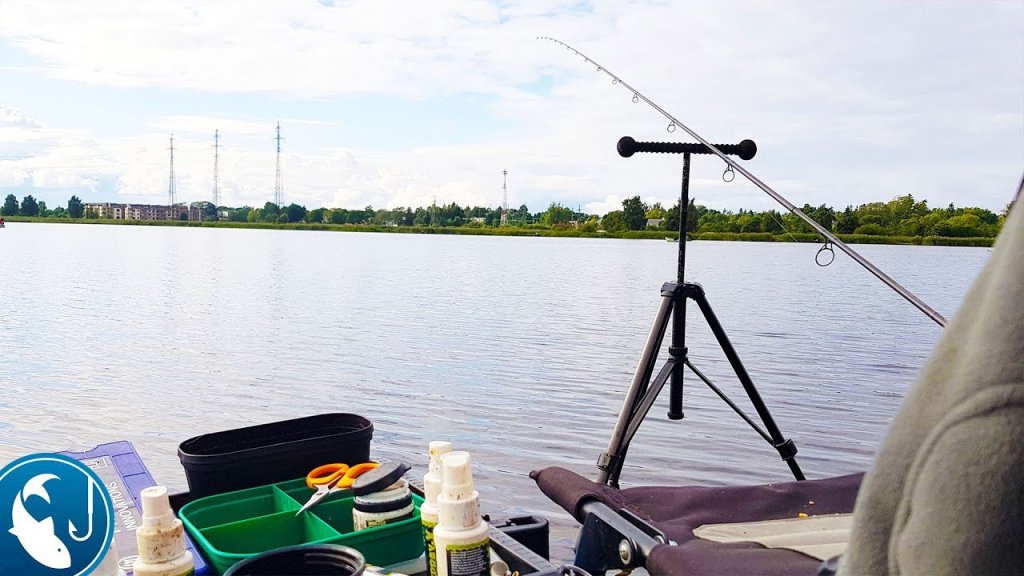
231,527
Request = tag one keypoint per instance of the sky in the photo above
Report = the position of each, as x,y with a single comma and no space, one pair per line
389,103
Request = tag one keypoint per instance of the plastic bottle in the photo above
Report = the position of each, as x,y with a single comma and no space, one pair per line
463,548
428,509
161,538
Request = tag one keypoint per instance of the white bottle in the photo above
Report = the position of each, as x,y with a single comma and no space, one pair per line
463,548
428,510
161,538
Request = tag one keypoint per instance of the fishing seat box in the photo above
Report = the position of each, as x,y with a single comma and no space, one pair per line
268,453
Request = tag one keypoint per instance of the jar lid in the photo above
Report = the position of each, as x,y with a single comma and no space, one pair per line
379,478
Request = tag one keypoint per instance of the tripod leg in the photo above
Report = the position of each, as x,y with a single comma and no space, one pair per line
610,463
786,448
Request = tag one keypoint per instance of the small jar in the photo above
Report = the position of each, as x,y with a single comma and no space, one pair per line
390,505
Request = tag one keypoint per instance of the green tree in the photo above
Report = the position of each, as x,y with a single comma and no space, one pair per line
693,214
590,225
10,206
59,212
75,207
656,211
635,213
847,221
870,229
207,210
43,211
614,221
295,212
556,214
282,218
963,226
315,216
771,222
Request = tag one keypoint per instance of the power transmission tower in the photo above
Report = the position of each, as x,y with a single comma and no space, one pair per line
216,168
172,193
504,198
278,185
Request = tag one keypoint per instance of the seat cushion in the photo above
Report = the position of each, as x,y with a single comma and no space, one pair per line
677,511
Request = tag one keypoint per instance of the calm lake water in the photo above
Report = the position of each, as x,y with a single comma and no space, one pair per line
516,349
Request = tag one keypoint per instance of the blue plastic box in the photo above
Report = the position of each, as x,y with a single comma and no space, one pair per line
124,476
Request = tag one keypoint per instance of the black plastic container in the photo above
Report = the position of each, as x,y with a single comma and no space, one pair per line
314,560
530,531
275,452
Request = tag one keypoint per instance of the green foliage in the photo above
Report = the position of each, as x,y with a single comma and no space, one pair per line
556,214
316,216
10,207
75,207
870,230
902,220
614,221
295,212
634,213
656,211
29,206
207,210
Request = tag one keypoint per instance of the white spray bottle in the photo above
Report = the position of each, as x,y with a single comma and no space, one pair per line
428,510
463,547
161,538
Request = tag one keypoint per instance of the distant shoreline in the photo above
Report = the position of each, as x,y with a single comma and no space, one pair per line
531,231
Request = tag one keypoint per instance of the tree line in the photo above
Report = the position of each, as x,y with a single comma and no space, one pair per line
901,216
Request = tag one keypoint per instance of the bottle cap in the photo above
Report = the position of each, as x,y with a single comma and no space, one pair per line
156,507
456,475
379,478
438,448
432,479
458,503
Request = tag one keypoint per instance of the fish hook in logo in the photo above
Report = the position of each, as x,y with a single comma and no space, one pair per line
46,492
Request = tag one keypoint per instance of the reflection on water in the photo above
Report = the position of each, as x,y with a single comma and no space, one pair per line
517,349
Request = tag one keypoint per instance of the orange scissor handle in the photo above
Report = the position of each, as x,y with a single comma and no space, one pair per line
324,474
341,475
354,472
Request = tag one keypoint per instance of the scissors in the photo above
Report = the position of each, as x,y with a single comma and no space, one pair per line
332,478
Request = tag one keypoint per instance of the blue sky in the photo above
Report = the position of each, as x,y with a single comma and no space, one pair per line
396,103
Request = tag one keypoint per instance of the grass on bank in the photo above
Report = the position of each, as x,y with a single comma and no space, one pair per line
533,231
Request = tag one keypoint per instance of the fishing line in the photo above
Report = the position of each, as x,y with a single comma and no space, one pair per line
733,166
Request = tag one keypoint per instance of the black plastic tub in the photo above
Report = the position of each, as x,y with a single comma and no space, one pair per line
315,560
257,455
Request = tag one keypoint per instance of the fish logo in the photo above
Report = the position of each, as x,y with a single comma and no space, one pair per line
61,518
37,536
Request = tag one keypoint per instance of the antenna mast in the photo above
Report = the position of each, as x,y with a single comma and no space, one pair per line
278,185
216,168
504,198
172,193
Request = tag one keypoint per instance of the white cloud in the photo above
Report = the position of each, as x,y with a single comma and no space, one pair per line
849,102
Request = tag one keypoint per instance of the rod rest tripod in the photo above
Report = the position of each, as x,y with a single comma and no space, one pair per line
643,391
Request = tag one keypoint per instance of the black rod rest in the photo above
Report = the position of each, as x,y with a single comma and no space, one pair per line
643,391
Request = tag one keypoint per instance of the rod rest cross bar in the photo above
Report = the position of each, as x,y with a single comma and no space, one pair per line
627,146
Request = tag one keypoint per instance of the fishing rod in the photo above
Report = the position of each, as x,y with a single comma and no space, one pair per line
732,166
